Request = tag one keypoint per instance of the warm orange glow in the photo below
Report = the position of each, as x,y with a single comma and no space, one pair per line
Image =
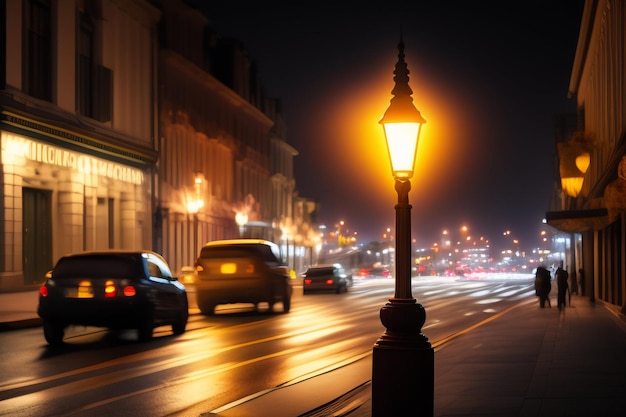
572,185
354,135
582,162
228,268
110,290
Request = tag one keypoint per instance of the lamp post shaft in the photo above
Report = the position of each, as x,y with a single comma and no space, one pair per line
403,358
403,242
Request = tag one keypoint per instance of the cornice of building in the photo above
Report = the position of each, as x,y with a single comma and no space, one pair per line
184,66
46,122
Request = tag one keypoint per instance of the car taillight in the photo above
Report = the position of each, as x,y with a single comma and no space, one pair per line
250,269
329,282
307,281
43,290
110,290
130,291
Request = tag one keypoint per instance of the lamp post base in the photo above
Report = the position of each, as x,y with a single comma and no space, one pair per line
403,364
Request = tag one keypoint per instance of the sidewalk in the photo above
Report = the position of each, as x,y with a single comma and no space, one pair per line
527,362
19,310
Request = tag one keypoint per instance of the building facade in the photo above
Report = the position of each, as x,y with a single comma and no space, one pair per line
76,131
132,124
592,161
225,168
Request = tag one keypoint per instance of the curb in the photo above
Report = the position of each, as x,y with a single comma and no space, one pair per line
20,324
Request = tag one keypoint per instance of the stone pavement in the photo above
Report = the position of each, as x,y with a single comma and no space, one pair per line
523,362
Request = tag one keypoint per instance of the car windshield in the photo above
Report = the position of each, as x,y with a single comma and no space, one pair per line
239,251
101,266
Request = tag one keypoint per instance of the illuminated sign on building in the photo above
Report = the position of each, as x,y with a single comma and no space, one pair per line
15,147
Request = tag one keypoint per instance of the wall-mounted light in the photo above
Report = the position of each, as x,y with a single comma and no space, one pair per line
572,185
572,177
582,162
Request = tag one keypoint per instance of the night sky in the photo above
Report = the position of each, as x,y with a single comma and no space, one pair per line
488,76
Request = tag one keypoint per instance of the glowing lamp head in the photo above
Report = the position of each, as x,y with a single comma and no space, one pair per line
582,162
402,122
572,185
402,139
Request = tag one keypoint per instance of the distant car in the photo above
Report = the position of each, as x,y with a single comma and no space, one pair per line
241,271
374,272
187,275
112,289
331,277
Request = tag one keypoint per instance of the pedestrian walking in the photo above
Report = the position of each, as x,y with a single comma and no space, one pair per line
543,286
562,287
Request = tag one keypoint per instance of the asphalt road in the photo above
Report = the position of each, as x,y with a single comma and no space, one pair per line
224,358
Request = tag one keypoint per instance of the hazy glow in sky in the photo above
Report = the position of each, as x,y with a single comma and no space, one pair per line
489,78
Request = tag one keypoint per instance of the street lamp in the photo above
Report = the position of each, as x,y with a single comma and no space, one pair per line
241,219
194,204
403,358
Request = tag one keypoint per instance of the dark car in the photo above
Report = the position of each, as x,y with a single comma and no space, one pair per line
241,271
112,289
331,277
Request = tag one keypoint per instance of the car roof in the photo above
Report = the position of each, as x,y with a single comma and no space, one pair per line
109,252
266,249
239,242
320,266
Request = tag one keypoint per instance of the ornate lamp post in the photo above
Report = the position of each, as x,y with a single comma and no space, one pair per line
403,358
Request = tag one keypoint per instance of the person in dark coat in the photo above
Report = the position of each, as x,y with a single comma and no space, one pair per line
562,287
543,286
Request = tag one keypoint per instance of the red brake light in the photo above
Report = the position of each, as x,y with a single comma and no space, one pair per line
110,290
130,291
43,290
329,282
307,281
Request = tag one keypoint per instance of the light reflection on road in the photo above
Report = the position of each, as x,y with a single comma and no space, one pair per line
214,360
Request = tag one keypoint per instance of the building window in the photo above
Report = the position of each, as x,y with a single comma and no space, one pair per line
85,65
93,89
37,65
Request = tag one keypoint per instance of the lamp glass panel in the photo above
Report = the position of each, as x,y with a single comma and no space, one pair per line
582,162
572,185
402,145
